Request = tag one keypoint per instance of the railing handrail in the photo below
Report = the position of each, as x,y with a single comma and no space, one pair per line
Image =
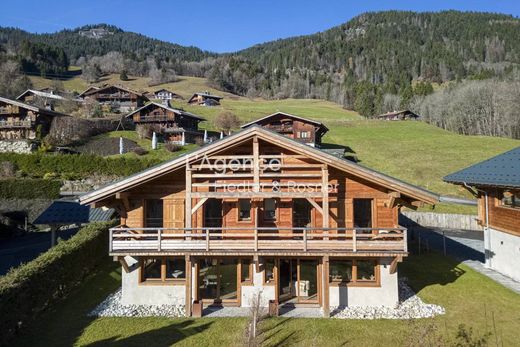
400,228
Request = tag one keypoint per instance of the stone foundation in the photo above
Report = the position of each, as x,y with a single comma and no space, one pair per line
17,146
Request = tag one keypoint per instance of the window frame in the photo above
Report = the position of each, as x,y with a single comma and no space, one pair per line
163,280
248,281
355,282
250,218
264,210
272,282
515,202
145,214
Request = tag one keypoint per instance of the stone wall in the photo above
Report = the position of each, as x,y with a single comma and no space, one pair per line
439,220
17,146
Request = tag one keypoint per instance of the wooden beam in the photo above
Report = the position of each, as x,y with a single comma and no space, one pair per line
256,165
325,286
315,204
325,192
251,195
256,260
123,196
393,265
198,205
188,285
124,264
187,214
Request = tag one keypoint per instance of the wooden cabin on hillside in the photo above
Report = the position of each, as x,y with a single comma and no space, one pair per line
259,212
174,125
496,184
399,115
301,129
166,95
21,121
205,99
115,98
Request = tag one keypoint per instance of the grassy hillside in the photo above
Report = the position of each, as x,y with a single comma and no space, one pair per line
416,152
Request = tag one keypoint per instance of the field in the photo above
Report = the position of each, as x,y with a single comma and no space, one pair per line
413,151
468,297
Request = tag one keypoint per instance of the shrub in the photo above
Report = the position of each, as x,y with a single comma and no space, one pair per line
172,147
32,287
29,189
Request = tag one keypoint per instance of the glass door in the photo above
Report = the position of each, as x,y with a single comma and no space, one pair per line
308,280
218,280
288,279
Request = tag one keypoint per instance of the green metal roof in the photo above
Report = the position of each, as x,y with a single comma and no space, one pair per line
500,171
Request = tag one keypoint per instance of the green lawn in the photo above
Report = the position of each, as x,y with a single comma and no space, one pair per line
469,298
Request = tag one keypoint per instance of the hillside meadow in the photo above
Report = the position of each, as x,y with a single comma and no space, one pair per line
415,152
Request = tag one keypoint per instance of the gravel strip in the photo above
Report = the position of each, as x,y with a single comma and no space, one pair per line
112,307
410,307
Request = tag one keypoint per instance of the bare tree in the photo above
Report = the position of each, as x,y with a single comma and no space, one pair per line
12,81
255,316
226,120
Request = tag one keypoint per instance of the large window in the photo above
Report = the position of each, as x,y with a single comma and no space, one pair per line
362,213
218,279
154,213
154,270
270,209
269,266
511,199
354,271
246,275
244,210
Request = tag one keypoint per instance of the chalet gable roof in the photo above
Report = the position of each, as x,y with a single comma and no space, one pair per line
31,107
40,93
174,110
98,90
206,95
306,120
270,136
502,170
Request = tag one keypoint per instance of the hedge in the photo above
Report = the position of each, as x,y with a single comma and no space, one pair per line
71,166
29,189
32,287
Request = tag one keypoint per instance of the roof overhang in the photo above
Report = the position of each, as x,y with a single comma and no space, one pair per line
319,124
357,170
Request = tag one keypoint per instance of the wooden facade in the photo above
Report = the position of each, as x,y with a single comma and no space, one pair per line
20,121
501,216
260,200
297,128
204,99
125,100
165,94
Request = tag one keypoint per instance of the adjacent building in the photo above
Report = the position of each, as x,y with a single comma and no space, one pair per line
496,184
21,121
399,115
259,212
175,125
205,99
115,98
303,130
165,95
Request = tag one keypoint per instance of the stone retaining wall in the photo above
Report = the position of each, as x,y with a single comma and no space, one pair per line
17,146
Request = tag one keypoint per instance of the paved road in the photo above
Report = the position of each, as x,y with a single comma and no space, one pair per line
27,247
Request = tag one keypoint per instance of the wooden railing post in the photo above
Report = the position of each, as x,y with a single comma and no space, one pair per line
110,235
354,240
256,239
159,239
305,239
405,240
207,239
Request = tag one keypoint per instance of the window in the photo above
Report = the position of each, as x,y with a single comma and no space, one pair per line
269,265
244,209
362,213
245,271
511,199
154,213
269,209
158,270
304,134
340,271
354,271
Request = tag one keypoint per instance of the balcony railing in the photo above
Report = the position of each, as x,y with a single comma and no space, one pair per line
15,124
128,240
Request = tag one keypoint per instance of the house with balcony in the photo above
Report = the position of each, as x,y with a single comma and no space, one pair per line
115,99
205,99
20,121
255,212
165,94
301,129
175,125
495,182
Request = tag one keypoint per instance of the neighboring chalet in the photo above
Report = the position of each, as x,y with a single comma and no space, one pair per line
88,90
21,121
31,96
205,99
165,94
259,212
118,97
175,125
496,183
298,128
399,115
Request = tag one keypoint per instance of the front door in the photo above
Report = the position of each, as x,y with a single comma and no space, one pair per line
288,279
218,280
213,213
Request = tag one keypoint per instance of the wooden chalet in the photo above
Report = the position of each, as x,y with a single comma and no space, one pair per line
88,90
258,211
495,182
399,115
21,121
205,99
165,94
175,125
303,130
124,99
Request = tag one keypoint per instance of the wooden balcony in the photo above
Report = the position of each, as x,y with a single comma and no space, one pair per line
15,124
360,241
